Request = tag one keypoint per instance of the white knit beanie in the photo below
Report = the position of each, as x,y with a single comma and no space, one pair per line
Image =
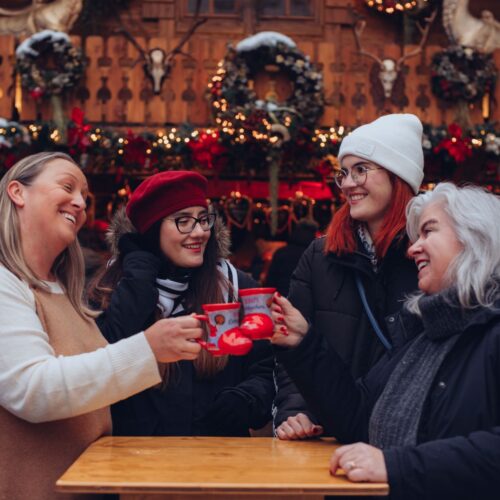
393,142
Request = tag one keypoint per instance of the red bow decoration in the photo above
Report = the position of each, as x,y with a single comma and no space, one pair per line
78,140
36,93
135,150
208,152
458,147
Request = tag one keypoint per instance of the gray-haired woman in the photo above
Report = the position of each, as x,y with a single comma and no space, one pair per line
57,373
430,408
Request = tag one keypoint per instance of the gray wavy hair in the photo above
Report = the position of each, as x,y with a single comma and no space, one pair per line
474,214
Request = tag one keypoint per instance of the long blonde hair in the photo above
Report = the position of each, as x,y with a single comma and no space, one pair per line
68,268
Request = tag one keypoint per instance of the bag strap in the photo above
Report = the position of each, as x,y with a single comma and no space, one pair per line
371,317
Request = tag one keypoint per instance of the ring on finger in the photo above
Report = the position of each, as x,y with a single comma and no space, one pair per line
350,465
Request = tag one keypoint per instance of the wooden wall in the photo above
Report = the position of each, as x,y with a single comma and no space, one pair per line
115,91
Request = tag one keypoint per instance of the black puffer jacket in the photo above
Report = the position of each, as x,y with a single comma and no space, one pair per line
237,398
457,455
323,288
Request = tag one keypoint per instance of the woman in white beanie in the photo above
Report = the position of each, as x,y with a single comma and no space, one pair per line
350,283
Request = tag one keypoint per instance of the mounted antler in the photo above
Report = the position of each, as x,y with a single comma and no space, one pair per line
157,62
390,68
424,30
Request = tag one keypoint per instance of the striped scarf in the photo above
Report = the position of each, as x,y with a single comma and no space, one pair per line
172,290
368,245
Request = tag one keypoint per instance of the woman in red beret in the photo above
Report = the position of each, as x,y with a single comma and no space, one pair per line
170,258
58,375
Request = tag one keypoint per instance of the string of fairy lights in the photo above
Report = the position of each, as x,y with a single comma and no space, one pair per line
14,133
392,6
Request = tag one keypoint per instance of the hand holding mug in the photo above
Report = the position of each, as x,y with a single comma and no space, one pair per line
257,322
224,335
290,326
173,339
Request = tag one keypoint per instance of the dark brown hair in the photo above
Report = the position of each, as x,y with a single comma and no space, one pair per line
205,287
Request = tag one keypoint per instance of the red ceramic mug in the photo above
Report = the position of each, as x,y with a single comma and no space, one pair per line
257,322
224,335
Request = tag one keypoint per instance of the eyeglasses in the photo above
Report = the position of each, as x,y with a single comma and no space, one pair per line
358,174
186,224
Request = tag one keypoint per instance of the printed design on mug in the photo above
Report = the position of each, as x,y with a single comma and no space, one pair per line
219,319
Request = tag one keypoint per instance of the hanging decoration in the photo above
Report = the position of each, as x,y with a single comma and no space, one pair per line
392,6
127,153
460,73
233,97
48,63
238,211
266,124
455,145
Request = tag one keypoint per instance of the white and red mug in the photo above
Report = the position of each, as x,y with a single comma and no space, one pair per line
224,335
257,322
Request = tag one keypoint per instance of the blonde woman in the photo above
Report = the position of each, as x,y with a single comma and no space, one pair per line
57,373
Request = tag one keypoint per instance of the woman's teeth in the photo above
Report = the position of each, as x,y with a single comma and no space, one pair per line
356,197
70,217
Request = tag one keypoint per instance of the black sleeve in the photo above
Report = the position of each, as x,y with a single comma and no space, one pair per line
341,404
289,401
134,300
462,467
258,384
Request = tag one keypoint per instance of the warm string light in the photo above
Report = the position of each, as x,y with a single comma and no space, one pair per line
392,6
165,148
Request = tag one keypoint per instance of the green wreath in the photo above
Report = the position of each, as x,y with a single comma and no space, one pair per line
48,63
231,94
460,73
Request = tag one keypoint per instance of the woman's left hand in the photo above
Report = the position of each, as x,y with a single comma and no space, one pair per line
361,462
290,326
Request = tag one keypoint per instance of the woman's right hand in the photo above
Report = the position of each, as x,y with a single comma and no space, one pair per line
290,326
173,339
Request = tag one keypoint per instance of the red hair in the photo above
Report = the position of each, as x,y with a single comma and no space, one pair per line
340,234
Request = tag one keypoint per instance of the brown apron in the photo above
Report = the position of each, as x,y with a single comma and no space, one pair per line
34,456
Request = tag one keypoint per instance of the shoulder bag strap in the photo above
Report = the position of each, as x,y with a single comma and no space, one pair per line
371,317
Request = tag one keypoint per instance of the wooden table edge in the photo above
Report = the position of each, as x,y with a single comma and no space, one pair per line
193,488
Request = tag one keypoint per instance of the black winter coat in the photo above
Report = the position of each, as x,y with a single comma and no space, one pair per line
236,399
457,455
323,288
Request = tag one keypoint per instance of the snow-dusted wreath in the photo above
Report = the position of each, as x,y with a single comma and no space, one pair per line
461,73
231,94
48,63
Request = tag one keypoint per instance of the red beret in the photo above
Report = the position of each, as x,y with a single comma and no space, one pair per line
163,194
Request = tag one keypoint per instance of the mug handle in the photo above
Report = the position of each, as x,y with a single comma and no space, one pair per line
204,343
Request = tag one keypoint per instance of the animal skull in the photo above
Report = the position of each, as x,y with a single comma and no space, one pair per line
157,68
387,75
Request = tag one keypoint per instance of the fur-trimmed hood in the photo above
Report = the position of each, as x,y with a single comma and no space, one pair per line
121,224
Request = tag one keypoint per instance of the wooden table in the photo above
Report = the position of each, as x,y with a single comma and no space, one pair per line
199,467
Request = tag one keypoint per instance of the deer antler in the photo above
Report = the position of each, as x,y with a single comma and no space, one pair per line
425,35
134,42
358,28
189,33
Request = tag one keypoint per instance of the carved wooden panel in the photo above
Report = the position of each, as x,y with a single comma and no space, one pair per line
116,91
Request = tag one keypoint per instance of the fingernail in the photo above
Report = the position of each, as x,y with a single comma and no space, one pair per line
283,330
280,319
278,294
